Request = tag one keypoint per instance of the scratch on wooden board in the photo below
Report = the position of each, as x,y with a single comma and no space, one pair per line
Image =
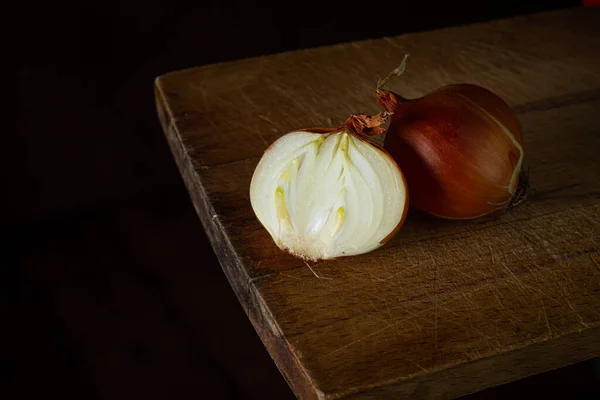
266,119
416,315
390,276
379,298
566,298
581,321
370,274
247,98
595,262
470,278
491,254
257,130
298,104
487,338
419,328
400,321
378,313
417,364
415,322
398,331
517,280
430,320
203,95
479,45
474,354
394,44
290,276
593,311
507,312
361,339
341,306
497,295
218,130
374,307
443,308
546,317
468,302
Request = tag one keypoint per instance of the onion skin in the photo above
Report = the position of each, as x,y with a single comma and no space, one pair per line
460,148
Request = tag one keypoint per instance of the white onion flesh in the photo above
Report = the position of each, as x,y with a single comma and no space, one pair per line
322,196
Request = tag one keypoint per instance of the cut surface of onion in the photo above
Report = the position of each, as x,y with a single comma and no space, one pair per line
327,195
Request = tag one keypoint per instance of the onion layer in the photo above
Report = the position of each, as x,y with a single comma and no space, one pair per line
326,193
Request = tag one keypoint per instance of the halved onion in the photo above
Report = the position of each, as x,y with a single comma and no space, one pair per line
326,193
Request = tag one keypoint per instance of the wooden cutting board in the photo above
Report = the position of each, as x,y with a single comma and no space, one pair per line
447,307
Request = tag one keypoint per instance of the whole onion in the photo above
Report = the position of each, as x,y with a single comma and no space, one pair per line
460,148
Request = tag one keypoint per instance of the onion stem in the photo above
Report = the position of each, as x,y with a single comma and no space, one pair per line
397,72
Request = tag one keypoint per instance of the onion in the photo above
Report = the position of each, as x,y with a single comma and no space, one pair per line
328,192
460,148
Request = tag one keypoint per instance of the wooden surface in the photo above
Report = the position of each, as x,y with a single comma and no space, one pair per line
445,308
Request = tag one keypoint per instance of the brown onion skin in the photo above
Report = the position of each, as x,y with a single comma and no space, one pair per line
458,161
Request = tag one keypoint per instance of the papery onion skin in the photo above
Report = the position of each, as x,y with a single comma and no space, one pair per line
313,191
460,148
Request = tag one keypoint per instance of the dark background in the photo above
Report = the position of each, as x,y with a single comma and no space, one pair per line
109,287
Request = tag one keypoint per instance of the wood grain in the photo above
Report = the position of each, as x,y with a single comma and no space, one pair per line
446,307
